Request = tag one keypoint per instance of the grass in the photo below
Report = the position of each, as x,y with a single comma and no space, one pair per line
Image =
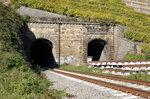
76,68
19,81
83,69
131,55
16,84
141,75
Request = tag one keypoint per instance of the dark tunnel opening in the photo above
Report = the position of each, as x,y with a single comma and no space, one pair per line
41,53
95,48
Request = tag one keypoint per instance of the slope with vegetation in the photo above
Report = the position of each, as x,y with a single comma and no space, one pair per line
17,79
137,23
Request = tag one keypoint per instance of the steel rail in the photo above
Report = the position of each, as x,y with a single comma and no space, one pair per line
134,91
133,81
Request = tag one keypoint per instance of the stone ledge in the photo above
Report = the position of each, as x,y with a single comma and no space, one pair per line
69,20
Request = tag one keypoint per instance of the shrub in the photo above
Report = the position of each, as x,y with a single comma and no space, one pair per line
17,80
135,56
146,48
15,60
18,84
10,23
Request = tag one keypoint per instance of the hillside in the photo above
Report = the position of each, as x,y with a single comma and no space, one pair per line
137,23
17,79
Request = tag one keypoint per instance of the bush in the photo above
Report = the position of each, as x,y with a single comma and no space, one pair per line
15,60
18,84
135,56
1,58
17,80
146,48
10,23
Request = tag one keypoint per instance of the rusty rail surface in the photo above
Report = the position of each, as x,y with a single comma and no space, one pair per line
119,70
134,91
117,61
145,83
145,65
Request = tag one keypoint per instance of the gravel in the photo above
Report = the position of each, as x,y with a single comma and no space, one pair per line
142,87
36,13
81,89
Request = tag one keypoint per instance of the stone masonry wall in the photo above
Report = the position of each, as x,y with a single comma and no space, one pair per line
70,40
139,5
42,31
74,39
122,44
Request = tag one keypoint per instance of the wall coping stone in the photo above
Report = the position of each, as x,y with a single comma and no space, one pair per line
71,20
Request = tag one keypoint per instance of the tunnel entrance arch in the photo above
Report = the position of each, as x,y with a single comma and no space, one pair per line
41,53
95,48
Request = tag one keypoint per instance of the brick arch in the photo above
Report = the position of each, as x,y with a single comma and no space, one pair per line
95,49
50,39
78,35
55,49
88,40
41,53
43,39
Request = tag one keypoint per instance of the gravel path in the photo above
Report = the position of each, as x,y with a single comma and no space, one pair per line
36,13
84,90
142,87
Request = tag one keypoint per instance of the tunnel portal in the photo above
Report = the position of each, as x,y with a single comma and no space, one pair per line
95,48
41,53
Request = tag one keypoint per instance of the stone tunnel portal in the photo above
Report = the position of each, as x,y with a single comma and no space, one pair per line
41,53
95,48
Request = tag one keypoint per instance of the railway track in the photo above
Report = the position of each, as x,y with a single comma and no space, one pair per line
122,67
107,81
145,83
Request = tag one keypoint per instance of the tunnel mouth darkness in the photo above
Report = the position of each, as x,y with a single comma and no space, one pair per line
95,48
41,53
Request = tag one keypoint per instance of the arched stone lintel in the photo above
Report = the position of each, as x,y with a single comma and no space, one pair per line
109,46
54,42
41,53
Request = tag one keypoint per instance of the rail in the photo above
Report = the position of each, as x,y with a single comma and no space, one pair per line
134,91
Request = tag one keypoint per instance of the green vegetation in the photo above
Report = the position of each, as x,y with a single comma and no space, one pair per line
76,68
135,56
144,55
145,48
82,69
10,24
17,79
141,75
138,23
